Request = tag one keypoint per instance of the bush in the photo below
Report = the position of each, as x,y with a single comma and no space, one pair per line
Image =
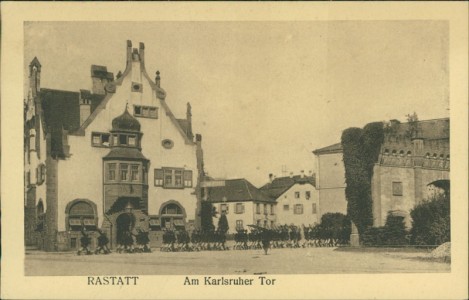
393,233
333,226
431,221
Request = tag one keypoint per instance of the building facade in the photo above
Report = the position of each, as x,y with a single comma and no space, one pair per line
412,166
242,203
330,179
414,159
296,198
114,158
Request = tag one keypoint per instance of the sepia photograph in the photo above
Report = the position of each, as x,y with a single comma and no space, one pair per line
226,147
235,152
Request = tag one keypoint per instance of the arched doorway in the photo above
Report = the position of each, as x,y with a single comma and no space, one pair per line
172,216
124,225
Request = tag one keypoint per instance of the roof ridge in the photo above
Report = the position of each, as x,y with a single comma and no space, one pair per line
247,187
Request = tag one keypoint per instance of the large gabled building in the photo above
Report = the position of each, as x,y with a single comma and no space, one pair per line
113,157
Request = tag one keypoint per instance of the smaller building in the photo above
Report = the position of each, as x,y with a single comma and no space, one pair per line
242,203
296,198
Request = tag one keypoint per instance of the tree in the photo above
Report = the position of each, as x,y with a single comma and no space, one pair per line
206,215
223,223
361,149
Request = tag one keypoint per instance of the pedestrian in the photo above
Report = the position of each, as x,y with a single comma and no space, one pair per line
266,238
85,241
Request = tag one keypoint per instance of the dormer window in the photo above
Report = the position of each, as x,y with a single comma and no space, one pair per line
122,139
146,111
132,141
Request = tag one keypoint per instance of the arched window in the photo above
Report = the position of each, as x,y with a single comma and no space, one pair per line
386,151
435,156
442,156
394,152
81,214
447,157
401,153
40,216
40,208
427,155
172,209
409,153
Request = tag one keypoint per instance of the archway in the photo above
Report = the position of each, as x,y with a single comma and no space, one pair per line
124,225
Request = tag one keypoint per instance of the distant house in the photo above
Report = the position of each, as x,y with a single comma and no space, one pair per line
242,203
296,198
330,179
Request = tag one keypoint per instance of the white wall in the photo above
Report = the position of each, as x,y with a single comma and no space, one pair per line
288,198
81,175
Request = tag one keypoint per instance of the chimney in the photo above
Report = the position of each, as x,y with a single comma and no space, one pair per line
141,47
129,51
271,177
302,173
291,174
157,79
100,77
85,105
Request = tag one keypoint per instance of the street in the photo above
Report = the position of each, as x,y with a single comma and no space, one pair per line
248,262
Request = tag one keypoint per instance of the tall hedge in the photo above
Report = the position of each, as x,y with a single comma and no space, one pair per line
206,216
361,149
431,221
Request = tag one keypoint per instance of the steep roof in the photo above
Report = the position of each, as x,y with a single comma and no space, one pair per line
335,148
61,111
280,185
237,190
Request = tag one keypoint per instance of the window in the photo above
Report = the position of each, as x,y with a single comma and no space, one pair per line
239,208
286,207
40,174
115,140
224,208
308,195
258,222
298,209
111,171
265,209
172,209
124,169
146,111
258,208
100,139
81,214
271,224
173,178
167,143
159,175
134,173
297,195
397,188
187,178
132,140
28,178
239,224
314,208
272,209
122,139
265,223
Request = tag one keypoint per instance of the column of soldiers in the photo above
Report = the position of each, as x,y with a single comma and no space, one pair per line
180,240
125,242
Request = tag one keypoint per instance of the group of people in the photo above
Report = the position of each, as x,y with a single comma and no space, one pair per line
125,243
180,240
85,242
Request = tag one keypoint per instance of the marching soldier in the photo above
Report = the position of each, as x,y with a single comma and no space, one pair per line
103,241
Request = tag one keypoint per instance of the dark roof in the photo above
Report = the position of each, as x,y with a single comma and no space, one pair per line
125,153
184,123
335,148
236,190
62,111
125,122
280,185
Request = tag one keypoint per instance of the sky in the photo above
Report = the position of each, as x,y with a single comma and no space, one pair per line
263,94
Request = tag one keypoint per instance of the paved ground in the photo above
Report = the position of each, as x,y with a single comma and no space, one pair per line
279,261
